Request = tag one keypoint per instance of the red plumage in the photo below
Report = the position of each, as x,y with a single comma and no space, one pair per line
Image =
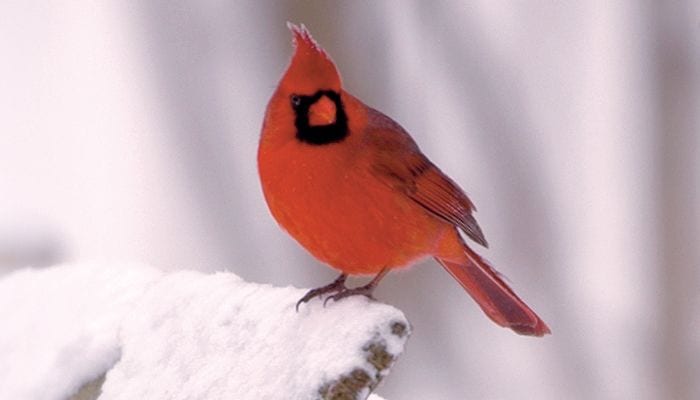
352,187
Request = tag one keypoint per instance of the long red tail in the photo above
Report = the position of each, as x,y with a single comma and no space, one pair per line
494,296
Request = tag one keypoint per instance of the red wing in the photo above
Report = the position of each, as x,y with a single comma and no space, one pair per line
425,184
398,162
440,195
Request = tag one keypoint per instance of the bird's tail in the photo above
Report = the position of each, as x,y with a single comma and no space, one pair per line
485,285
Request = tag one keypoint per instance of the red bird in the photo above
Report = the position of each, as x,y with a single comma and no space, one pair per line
352,187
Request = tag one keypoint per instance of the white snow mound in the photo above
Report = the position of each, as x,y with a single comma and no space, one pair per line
186,335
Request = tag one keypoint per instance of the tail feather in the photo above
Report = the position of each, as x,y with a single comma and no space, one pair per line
494,296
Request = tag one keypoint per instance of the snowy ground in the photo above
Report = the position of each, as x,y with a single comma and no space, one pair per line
185,335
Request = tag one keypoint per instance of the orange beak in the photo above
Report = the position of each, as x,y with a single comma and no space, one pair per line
322,112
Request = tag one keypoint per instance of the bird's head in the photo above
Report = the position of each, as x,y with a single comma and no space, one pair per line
310,93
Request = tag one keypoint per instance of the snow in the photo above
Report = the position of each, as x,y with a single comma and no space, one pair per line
59,326
181,335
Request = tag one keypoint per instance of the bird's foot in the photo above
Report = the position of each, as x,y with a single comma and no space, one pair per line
362,290
366,290
337,286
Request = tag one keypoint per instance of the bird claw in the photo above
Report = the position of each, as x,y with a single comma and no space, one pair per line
362,290
336,286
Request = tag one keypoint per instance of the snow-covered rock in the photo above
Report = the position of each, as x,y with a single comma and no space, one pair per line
132,332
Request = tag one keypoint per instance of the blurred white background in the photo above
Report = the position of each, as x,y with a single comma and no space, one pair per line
129,131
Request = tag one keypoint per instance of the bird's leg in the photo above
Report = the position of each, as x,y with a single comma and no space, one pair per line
363,290
338,285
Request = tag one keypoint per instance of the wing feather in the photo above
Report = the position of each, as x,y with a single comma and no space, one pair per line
398,162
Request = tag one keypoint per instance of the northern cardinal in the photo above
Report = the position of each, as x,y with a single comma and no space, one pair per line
352,187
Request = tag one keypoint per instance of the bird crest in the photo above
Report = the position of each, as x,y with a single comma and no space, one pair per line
311,69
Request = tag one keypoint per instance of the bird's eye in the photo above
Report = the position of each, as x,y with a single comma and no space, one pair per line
296,100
